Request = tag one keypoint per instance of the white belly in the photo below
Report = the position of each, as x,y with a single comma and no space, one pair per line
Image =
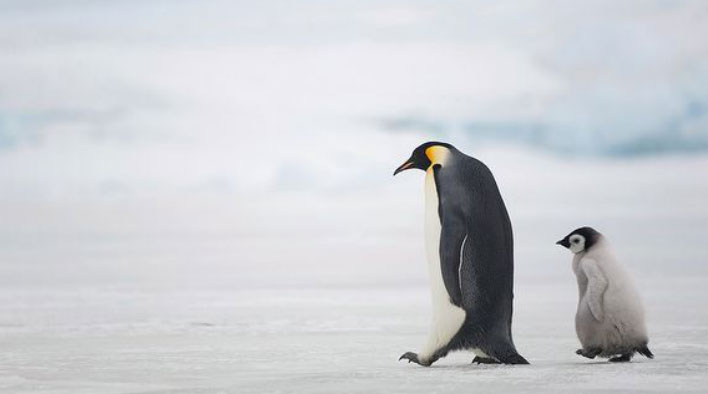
447,317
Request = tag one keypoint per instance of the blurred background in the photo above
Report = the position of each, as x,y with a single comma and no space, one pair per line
161,158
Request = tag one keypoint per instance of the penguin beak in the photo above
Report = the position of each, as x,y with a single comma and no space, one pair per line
564,243
403,167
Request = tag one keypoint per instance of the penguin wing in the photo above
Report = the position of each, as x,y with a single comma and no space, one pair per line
476,243
597,283
452,241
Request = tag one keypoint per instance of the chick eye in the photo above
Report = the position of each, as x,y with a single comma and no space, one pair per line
575,241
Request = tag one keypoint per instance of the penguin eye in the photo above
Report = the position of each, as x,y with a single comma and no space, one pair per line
575,241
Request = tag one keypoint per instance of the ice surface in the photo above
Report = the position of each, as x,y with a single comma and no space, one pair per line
226,295
321,341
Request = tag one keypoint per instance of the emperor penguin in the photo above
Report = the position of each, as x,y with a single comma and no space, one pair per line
610,317
470,257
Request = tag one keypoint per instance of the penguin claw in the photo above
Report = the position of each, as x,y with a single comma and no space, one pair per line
412,357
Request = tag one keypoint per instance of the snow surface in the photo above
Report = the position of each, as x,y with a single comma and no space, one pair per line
321,341
224,295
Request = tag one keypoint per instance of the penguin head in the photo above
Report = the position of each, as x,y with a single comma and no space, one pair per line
580,239
426,155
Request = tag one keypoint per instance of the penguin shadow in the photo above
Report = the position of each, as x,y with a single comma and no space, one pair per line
538,364
596,363
470,366
475,367
633,362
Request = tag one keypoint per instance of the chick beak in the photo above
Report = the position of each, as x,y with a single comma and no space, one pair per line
403,167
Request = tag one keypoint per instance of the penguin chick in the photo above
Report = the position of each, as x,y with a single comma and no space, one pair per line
610,317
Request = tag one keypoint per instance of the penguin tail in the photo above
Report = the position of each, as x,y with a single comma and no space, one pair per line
644,351
515,358
507,354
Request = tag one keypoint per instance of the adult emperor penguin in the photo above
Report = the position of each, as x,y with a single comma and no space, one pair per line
470,258
610,317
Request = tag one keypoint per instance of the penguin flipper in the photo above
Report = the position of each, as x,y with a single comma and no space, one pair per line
597,284
452,241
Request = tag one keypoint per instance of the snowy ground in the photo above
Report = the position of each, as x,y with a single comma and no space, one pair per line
228,295
321,341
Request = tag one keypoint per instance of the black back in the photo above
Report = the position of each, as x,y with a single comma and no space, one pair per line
472,212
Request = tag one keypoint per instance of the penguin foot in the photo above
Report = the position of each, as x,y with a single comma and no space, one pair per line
484,360
622,358
412,357
590,353
644,351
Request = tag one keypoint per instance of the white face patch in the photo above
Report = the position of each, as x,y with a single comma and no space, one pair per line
577,243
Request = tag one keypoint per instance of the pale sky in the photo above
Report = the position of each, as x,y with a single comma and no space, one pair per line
100,96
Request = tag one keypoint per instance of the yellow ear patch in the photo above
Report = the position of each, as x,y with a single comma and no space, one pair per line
437,154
